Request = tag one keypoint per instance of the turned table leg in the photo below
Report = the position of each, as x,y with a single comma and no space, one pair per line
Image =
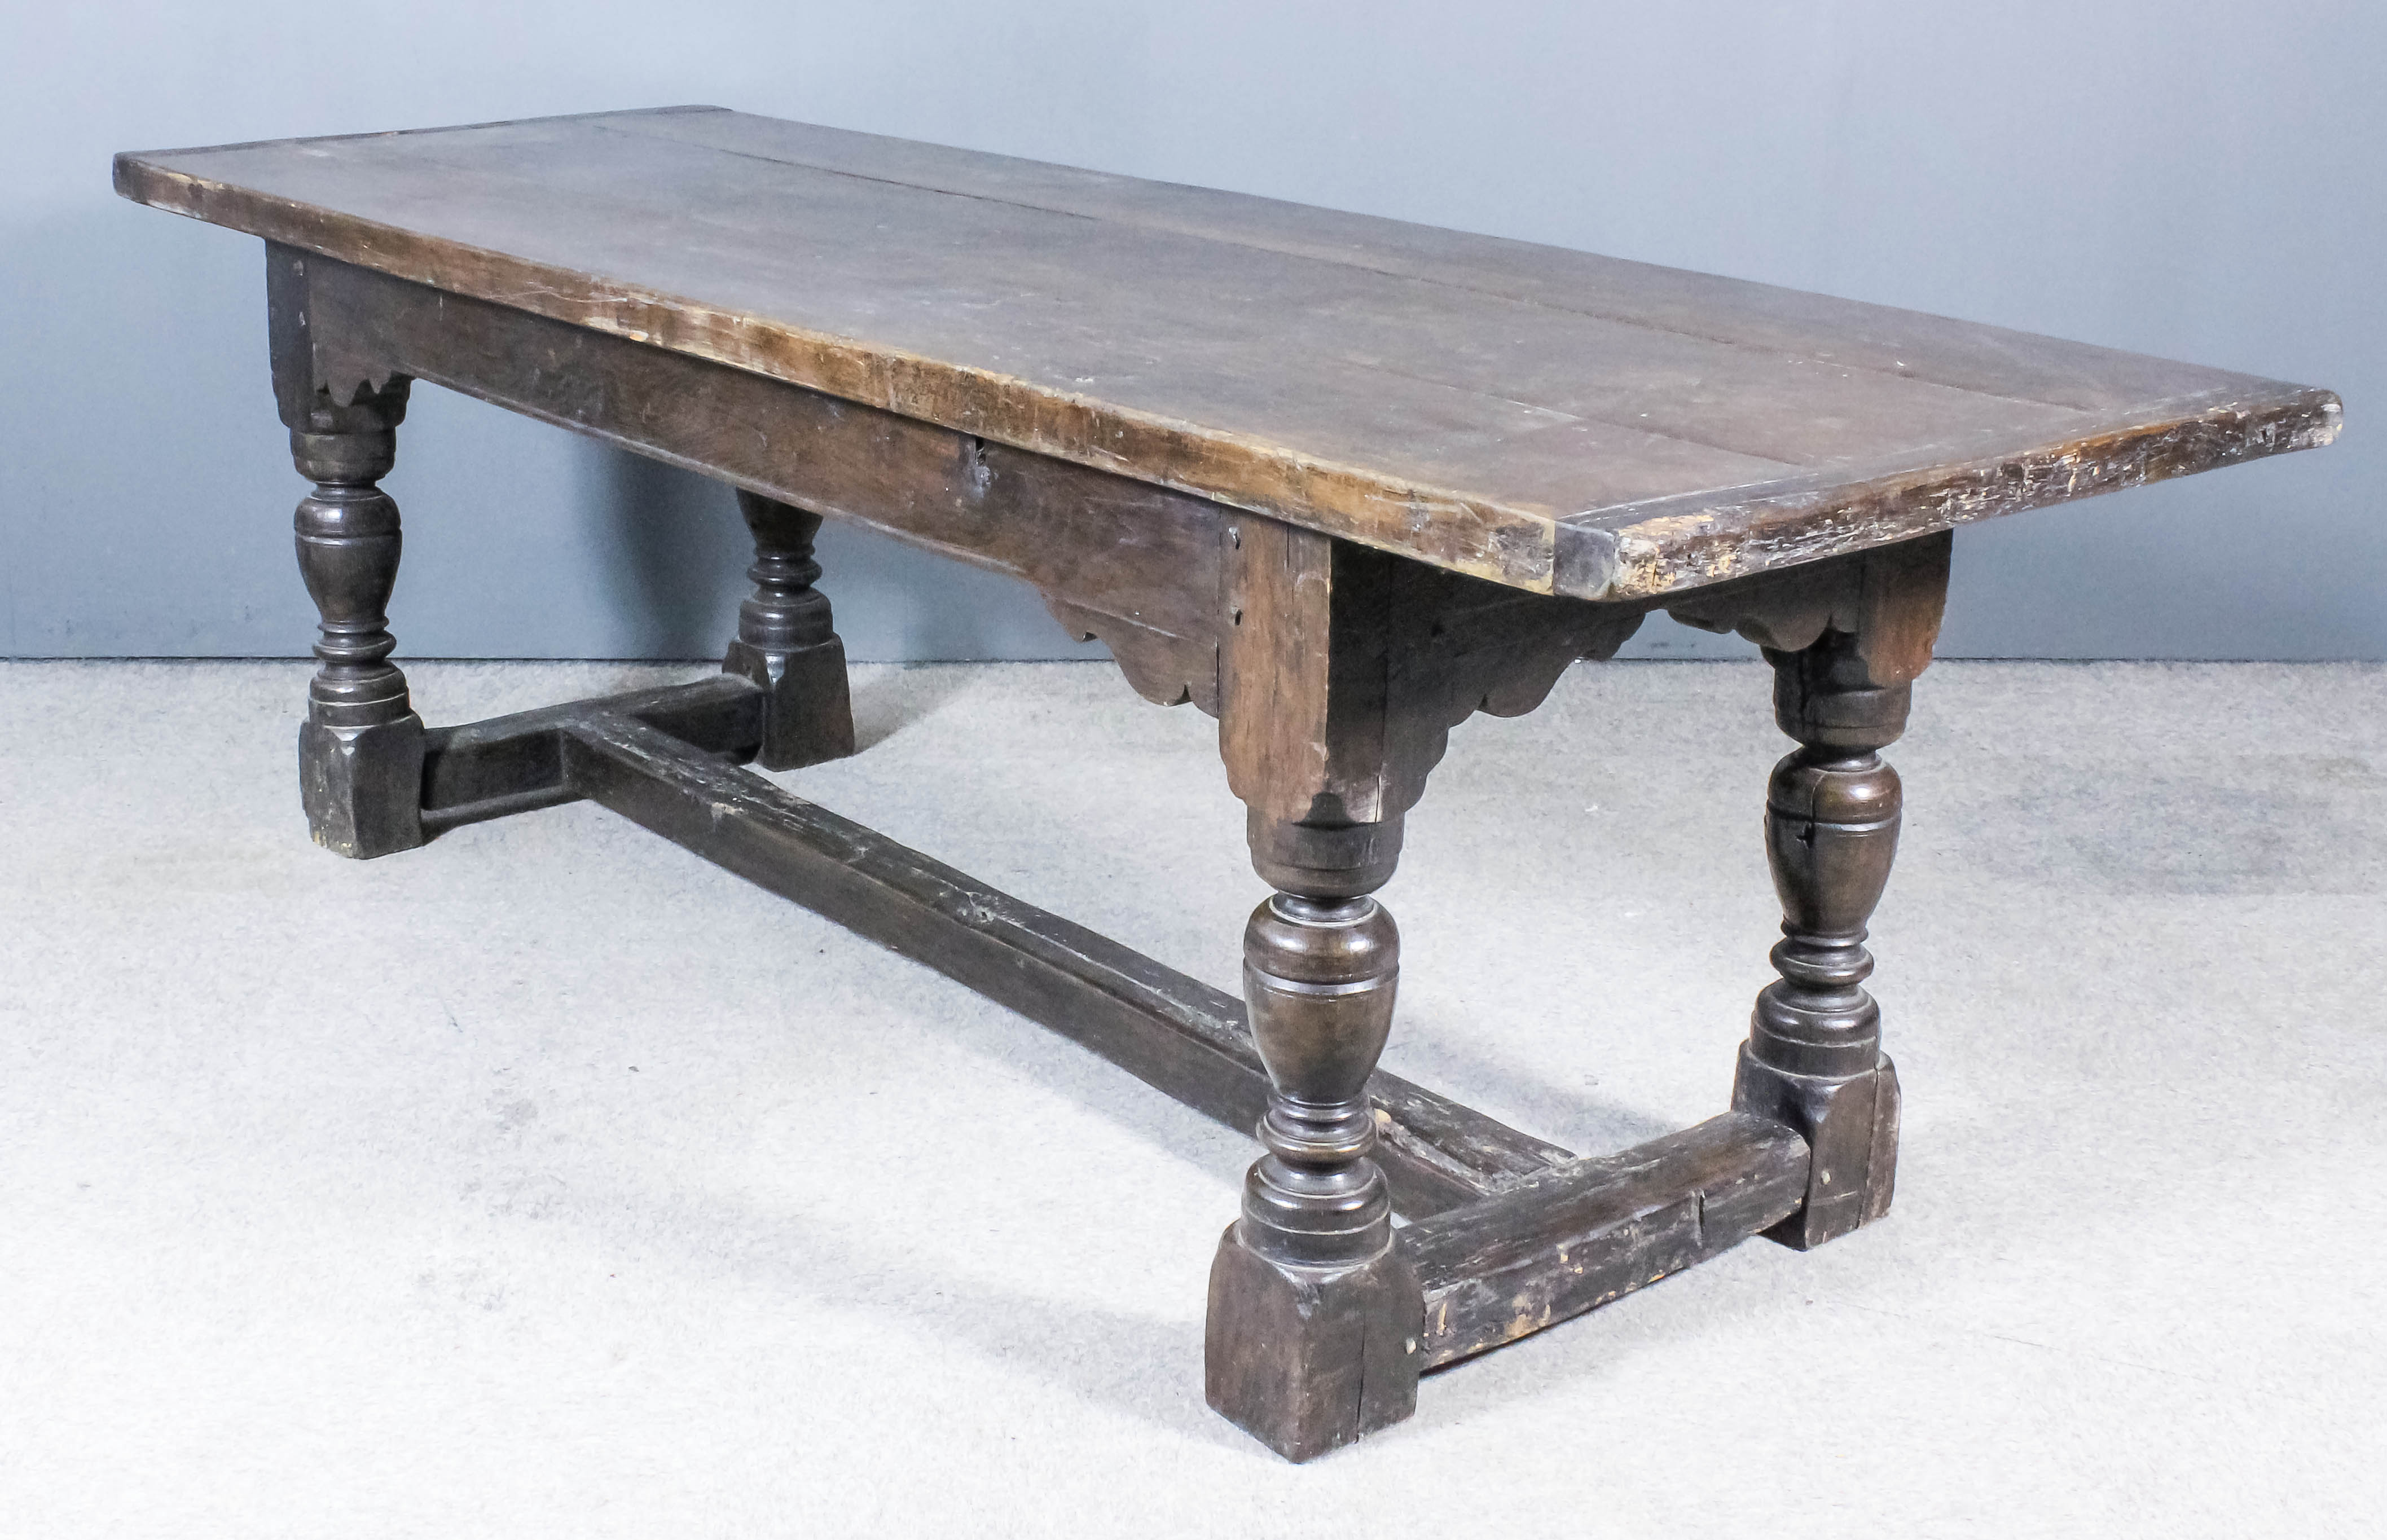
360,751
787,644
1314,1318
1813,1056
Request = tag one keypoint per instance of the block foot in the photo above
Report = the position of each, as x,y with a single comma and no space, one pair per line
1308,1359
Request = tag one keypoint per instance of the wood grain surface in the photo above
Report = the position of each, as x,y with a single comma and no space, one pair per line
1553,421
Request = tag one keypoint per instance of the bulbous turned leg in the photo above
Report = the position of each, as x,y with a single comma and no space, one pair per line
786,643
1314,1318
360,751
1813,1056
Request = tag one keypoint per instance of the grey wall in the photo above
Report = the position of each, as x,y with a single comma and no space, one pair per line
2181,177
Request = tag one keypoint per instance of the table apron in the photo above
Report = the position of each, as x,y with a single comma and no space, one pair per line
1135,563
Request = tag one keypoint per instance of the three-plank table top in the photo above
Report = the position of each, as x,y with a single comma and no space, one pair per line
1553,421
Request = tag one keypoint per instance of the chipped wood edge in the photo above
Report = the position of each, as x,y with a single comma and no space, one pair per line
1504,544
1673,545
1633,552
1571,1238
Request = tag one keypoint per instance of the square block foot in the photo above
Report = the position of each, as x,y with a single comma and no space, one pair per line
362,786
808,719
1308,1359
1850,1125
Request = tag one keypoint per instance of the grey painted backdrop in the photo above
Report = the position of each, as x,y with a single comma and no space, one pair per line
2184,177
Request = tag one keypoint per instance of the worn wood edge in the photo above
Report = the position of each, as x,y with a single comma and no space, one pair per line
1503,542
369,327
1154,667
1676,544
1174,1032
476,771
1427,1141
1531,547
1571,1238
146,157
1891,598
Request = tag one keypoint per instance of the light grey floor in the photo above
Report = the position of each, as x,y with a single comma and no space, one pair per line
550,1182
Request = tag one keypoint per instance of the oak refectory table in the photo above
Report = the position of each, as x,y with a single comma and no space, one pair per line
1338,481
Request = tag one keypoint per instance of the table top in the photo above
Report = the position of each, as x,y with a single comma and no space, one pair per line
1548,419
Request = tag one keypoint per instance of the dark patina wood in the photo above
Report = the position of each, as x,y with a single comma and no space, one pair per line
1339,481
1314,1313
1116,557
1574,1236
1847,639
361,751
787,642
1554,421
